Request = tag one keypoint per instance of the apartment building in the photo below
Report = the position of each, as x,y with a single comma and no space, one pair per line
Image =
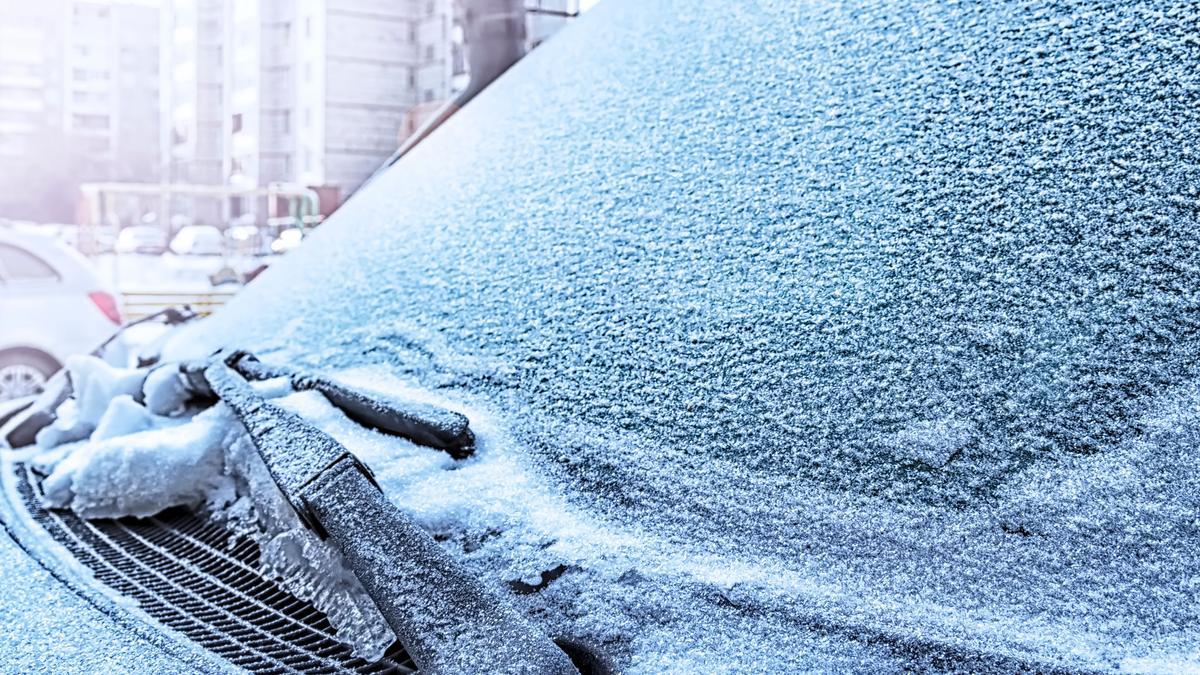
30,103
243,93
79,100
318,90
194,74
111,89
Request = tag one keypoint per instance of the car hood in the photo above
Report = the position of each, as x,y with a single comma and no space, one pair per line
884,317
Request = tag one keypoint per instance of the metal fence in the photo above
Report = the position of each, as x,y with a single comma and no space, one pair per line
139,304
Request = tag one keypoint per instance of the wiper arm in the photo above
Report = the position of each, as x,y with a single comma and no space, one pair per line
447,620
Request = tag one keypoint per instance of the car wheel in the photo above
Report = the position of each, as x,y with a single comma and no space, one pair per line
24,374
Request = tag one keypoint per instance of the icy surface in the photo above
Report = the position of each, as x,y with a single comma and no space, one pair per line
166,391
141,473
46,628
94,384
853,314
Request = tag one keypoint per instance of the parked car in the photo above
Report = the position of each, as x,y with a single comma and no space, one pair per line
145,239
198,240
52,306
287,240
246,240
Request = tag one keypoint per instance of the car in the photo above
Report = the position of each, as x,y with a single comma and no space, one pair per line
796,337
204,240
141,239
53,306
287,240
246,240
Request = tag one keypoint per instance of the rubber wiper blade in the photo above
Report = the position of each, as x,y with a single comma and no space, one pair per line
421,423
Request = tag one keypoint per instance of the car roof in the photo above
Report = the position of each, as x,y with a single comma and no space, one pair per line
919,274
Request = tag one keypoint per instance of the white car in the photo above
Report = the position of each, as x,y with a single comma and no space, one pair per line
287,240
52,305
198,240
142,239
246,240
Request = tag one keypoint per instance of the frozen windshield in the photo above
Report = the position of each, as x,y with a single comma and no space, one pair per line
903,253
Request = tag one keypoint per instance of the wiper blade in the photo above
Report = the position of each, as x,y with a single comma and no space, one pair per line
447,620
421,423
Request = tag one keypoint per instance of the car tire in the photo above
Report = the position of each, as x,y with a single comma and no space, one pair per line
24,373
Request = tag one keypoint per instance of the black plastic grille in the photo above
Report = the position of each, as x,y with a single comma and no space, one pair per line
191,574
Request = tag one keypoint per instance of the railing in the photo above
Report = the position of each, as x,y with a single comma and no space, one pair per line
139,304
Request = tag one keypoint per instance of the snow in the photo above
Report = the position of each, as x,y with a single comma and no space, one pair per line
138,463
166,391
141,473
804,334
95,384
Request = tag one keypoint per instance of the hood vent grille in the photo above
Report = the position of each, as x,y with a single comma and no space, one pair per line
185,572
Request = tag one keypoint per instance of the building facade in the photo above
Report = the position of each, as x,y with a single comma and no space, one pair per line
316,92
239,93
194,73
79,100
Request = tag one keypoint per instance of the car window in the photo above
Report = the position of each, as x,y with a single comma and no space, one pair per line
17,264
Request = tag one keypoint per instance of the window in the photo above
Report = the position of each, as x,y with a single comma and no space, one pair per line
20,116
86,75
20,69
99,145
90,122
429,52
237,122
429,95
285,121
308,26
412,78
20,265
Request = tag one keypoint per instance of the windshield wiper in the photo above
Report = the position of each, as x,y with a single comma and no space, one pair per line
424,424
421,423
447,620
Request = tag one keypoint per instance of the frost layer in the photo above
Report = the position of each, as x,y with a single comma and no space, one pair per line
862,308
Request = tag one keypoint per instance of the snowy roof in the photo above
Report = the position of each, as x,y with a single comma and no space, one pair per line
886,312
